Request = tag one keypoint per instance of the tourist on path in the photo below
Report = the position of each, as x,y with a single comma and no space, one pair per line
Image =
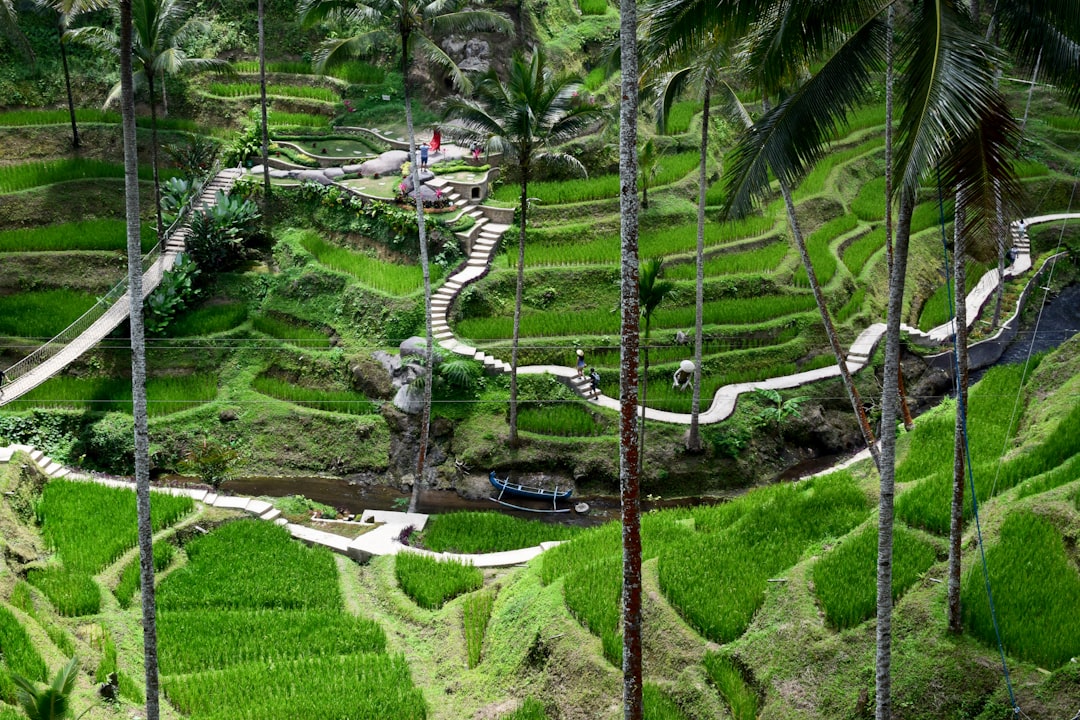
581,363
423,156
594,383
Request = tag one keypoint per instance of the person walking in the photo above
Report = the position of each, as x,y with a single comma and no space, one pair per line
594,383
580,363
3,379
423,156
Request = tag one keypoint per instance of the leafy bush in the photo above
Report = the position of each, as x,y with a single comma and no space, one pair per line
845,579
175,292
72,592
1038,618
484,532
219,233
430,582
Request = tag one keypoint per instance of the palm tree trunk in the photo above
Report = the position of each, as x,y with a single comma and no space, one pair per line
644,401
67,85
956,523
153,152
425,412
629,478
830,329
999,229
513,439
262,105
887,468
693,439
138,366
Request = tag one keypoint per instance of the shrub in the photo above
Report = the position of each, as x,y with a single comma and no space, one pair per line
430,582
1038,618
219,233
175,292
72,592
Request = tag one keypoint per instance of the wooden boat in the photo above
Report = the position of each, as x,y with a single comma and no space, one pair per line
532,492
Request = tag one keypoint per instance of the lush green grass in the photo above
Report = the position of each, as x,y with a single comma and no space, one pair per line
342,401
601,187
208,320
821,255
858,253
14,178
130,581
717,580
531,709
852,307
760,261
390,278
103,234
277,572
484,532
17,655
290,330
165,395
1036,592
656,705
430,582
41,314
476,612
73,593
559,419
680,115
728,679
237,90
193,641
91,525
845,578
937,310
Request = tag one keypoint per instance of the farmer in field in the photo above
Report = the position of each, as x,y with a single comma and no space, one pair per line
684,376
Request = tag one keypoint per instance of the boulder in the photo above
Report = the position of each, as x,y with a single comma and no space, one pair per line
313,176
408,401
415,346
333,172
387,163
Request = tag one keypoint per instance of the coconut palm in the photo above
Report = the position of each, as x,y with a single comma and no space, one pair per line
411,24
138,365
649,166
52,702
160,28
651,292
523,118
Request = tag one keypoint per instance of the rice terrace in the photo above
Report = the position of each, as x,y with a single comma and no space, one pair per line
561,360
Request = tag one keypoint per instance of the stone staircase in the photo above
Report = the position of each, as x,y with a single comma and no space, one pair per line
223,181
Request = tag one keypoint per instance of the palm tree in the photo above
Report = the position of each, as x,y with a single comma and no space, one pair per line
138,364
649,164
960,369
66,10
651,292
262,108
52,702
160,28
523,118
412,24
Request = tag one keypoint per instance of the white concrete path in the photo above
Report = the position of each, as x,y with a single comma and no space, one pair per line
383,540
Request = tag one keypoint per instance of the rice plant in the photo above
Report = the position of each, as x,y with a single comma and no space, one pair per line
165,395
208,320
593,7
14,178
718,580
680,115
20,118
815,180
390,278
1053,453
820,252
192,641
725,674
289,329
858,253
130,581
560,420
476,612
277,572
360,686
41,314
852,307
1044,482
657,705
531,709
90,525
593,595
342,401
760,261
1036,593
355,71
936,310
278,118
18,654
101,234
1062,122
430,582
485,532
73,593
238,90
845,578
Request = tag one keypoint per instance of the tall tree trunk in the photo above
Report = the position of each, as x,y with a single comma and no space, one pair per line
262,106
513,439
644,400
153,152
960,372
830,329
693,439
164,96
890,96
425,412
887,469
629,479
1000,240
138,366
67,84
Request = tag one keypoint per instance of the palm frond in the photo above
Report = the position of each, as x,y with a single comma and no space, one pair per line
1047,30
422,45
470,21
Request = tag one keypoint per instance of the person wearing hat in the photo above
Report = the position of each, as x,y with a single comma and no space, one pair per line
580,363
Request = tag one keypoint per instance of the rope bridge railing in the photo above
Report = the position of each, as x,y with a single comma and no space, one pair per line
105,302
